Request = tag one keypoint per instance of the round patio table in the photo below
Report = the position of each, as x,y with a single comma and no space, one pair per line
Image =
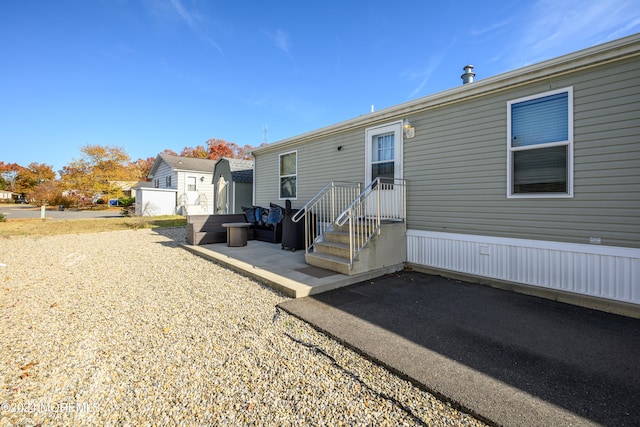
236,233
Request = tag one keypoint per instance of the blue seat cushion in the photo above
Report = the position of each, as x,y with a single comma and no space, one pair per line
250,214
276,213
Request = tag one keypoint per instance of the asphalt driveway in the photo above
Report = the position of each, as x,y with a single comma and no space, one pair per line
507,358
15,211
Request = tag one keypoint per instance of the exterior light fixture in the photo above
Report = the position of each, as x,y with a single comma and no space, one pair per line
409,131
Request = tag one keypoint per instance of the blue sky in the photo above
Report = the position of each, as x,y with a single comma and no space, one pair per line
149,75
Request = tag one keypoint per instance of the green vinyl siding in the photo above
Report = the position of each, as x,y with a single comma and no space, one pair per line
319,162
456,166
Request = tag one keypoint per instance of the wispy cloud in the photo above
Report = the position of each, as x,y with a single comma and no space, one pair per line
476,32
557,27
423,75
193,21
282,41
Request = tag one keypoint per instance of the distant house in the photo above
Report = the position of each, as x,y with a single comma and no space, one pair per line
126,186
6,196
529,179
179,185
233,182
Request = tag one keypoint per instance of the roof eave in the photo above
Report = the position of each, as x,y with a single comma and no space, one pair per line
615,50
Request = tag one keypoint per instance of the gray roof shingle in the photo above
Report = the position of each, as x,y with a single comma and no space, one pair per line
188,163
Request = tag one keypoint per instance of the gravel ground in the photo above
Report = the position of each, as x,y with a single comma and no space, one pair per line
126,328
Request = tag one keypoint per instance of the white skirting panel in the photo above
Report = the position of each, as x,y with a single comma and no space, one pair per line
598,271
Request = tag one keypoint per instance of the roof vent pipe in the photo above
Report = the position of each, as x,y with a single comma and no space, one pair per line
468,75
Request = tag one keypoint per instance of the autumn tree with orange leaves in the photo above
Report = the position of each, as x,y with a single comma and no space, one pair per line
143,167
217,148
29,178
100,172
8,175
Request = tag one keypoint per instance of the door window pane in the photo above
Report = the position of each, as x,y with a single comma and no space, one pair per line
383,156
191,183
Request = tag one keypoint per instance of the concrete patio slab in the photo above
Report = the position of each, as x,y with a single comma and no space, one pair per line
280,269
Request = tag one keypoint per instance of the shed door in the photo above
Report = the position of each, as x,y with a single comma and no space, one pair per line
383,154
222,196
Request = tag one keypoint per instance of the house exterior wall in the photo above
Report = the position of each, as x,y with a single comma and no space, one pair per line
457,174
456,166
164,170
155,201
204,188
179,183
319,162
243,195
459,218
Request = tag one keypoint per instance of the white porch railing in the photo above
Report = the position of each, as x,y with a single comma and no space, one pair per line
322,210
202,201
384,199
199,205
183,201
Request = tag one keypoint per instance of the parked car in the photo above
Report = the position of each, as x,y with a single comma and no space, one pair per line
21,200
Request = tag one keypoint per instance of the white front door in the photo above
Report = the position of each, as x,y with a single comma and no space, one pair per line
191,190
383,154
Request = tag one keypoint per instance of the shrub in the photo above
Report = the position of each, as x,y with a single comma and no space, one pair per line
2,218
60,200
126,201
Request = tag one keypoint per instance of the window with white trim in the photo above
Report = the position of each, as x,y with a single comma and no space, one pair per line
168,181
540,145
383,156
191,183
288,175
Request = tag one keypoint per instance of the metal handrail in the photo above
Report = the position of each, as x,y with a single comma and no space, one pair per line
384,199
183,201
321,211
203,202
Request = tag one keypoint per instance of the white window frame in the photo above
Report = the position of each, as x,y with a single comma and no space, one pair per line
287,175
195,183
568,144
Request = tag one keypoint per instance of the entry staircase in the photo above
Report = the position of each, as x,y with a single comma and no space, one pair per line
199,207
353,231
